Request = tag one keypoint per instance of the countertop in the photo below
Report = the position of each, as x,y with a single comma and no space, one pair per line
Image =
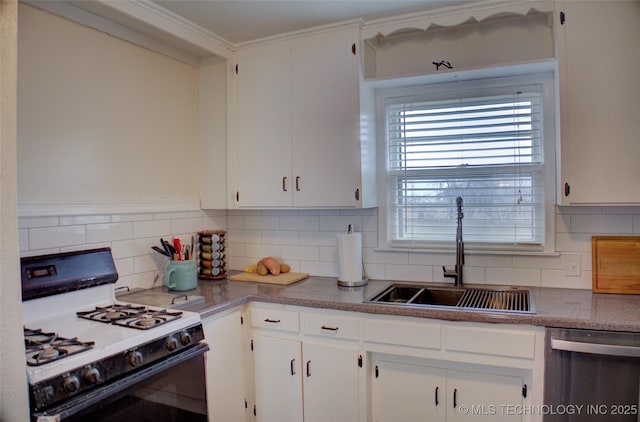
555,307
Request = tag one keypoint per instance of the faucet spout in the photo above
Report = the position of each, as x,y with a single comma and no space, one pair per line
456,273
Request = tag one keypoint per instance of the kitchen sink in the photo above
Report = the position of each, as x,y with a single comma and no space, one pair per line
501,299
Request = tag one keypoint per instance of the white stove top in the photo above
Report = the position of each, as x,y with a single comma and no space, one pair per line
58,314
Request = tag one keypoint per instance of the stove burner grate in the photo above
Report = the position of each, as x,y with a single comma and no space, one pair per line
44,347
140,317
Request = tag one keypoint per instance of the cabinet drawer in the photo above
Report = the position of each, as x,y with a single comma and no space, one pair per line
276,319
401,333
330,326
490,341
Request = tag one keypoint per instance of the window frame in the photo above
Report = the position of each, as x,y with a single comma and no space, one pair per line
481,86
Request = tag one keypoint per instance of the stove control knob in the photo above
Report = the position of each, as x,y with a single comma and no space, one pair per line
185,338
49,394
135,358
172,344
92,375
71,384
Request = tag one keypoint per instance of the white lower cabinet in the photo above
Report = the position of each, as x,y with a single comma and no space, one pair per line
277,376
298,379
330,382
319,365
225,367
405,391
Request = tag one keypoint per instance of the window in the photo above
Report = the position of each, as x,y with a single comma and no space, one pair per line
483,141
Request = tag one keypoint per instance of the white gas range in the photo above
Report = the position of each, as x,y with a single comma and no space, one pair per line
87,354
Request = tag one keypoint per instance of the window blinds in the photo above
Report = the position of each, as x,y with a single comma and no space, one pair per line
488,150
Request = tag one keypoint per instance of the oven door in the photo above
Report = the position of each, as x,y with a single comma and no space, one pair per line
173,389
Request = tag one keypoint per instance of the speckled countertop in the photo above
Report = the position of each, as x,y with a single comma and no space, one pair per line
568,308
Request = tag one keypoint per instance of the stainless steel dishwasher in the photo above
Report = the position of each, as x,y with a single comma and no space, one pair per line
591,376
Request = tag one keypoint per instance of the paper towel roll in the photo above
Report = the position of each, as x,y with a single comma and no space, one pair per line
350,257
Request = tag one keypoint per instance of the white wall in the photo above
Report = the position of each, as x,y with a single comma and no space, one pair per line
307,241
13,392
118,122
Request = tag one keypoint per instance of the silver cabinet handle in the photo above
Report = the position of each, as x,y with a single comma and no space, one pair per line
292,365
284,183
595,348
298,183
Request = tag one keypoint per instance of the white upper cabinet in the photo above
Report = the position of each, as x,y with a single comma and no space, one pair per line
599,58
297,120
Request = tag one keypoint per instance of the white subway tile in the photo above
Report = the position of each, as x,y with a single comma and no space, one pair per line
525,261
56,237
558,278
563,223
152,228
243,236
326,269
109,232
610,224
409,272
260,251
134,247
23,240
375,271
146,263
280,237
235,222
328,253
262,222
339,224
300,222
186,226
170,215
306,253
572,242
378,257
35,222
84,219
121,218
317,238
513,276
124,267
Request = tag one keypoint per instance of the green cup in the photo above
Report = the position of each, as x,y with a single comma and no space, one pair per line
181,275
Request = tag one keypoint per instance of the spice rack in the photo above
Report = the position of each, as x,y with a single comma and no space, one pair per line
211,255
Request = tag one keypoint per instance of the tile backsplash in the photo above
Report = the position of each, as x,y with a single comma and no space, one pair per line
306,239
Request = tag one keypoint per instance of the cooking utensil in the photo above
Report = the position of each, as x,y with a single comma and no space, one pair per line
161,251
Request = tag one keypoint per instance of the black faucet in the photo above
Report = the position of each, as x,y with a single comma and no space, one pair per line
456,274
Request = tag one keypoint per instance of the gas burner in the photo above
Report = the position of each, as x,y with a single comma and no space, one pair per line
112,313
140,317
42,347
148,319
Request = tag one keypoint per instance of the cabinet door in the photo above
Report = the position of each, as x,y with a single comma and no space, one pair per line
408,392
476,396
330,381
264,128
325,120
278,384
225,377
599,58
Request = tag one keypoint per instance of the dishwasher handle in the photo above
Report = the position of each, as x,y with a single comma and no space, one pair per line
595,348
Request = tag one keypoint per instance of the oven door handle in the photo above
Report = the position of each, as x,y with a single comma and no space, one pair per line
595,348
93,397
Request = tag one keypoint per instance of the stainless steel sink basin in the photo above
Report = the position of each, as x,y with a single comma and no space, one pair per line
514,300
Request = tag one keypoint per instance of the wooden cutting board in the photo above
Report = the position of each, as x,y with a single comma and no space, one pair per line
616,264
284,279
